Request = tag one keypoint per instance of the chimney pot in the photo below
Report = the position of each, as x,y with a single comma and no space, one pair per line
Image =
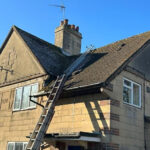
77,28
66,22
62,22
72,26
69,26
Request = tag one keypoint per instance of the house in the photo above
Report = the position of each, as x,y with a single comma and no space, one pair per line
104,104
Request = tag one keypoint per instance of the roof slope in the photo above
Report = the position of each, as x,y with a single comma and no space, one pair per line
141,62
99,66
114,55
50,56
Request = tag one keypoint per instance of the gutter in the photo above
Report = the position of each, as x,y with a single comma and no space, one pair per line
98,84
68,92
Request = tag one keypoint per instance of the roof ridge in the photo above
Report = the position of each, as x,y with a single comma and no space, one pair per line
35,37
119,41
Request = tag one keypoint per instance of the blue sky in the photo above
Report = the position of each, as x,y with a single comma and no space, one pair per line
101,21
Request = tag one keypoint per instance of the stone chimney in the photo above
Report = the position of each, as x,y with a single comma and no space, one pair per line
68,37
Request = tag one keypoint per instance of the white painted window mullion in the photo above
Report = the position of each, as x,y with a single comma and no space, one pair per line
132,93
21,98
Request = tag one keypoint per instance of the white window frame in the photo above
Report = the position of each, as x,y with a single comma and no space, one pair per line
22,97
14,144
132,83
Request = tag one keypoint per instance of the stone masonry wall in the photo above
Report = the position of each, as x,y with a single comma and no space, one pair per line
131,119
16,125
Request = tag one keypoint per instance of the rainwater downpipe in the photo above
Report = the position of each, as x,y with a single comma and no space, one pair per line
144,111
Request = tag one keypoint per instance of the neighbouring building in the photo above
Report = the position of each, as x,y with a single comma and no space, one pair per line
104,104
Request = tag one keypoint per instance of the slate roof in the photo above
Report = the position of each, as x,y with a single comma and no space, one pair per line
100,65
50,57
141,62
105,61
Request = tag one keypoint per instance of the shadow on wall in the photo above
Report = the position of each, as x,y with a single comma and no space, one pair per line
97,114
89,105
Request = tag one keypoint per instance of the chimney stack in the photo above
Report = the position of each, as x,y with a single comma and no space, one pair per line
68,37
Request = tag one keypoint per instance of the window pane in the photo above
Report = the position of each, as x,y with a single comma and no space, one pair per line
10,146
127,95
18,97
25,144
126,82
18,146
33,91
25,100
136,94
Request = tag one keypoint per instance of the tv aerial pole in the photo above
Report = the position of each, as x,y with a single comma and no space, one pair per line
62,7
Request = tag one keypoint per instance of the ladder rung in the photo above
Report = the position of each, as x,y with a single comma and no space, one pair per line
40,123
32,139
43,115
59,80
36,131
56,87
53,93
46,108
49,101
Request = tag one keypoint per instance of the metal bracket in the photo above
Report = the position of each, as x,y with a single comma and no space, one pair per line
36,102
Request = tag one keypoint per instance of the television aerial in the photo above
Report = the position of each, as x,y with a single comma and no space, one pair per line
62,7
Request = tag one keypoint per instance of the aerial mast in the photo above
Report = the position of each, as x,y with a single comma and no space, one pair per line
62,7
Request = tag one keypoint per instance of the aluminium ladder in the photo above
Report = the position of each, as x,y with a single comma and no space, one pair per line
41,127
37,136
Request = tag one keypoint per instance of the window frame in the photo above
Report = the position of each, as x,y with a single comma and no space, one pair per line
22,87
132,83
14,144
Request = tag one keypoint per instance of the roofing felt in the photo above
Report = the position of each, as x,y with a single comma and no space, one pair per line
104,61
50,56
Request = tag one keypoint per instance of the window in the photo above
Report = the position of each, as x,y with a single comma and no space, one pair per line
131,92
16,145
22,97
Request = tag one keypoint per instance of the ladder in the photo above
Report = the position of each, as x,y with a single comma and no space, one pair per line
41,127
37,136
